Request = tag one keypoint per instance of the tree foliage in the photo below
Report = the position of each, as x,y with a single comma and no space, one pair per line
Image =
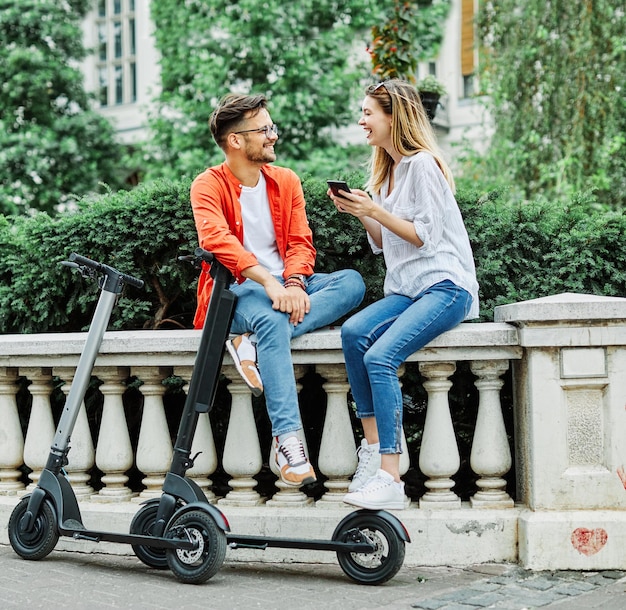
411,32
304,56
307,57
555,71
52,145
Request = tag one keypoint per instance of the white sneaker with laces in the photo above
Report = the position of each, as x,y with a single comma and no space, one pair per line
293,464
380,492
369,463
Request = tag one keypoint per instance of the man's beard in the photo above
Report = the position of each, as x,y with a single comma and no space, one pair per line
260,156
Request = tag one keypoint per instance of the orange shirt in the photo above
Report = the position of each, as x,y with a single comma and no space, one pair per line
216,209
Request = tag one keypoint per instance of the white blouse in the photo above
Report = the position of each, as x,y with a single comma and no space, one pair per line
422,196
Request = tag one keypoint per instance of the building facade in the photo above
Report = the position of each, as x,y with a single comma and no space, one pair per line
123,68
123,71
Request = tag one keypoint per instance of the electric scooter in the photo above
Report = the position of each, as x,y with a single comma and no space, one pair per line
369,544
192,542
181,529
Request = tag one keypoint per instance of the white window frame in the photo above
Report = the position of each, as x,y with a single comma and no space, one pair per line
116,52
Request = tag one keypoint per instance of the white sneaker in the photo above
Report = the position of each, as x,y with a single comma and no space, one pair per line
369,463
380,492
243,353
293,464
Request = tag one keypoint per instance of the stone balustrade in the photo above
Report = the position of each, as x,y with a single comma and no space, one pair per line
567,355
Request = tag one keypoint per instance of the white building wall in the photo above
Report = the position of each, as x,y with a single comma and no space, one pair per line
130,119
459,119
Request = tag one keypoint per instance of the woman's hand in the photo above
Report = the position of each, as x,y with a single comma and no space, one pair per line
359,204
372,216
356,202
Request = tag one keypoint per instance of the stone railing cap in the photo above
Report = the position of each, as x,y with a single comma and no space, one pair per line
564,307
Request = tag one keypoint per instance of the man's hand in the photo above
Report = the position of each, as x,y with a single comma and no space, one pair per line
292,300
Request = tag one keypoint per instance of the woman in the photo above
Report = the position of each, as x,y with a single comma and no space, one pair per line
430,282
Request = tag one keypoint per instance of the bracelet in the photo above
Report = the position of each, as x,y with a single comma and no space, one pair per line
291,283
299,277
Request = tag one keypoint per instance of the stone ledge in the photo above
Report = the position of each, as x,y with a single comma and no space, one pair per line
562,308
457,537
468,341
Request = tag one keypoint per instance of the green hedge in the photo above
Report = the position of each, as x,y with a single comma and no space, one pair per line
140,232
522,251
530,250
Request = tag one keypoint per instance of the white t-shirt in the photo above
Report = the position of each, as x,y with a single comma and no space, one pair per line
259,235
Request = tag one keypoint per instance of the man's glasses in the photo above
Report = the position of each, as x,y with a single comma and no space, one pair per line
267,131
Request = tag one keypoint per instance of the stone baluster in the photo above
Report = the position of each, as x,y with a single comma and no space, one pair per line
242,452
490,457
154,448
203,444
40,431
337,458
405,458
114,452
287,495
439,456
81,454
11,437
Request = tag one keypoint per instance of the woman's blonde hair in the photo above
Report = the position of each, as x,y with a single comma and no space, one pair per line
411,131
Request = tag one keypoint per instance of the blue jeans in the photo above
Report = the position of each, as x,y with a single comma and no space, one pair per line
378,339
332,296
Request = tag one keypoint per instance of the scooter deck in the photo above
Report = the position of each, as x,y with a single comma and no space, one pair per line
261,542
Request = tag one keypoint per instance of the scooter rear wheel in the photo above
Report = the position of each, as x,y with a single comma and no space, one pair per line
142,525
370,568
41,539
197,565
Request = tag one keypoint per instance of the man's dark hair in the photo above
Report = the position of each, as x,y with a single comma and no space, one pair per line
231,111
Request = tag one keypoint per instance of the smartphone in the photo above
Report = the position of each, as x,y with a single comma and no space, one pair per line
338,185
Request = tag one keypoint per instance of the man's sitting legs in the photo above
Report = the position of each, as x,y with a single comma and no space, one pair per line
332,296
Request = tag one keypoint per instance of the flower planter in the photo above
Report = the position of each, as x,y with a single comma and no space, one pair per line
430,101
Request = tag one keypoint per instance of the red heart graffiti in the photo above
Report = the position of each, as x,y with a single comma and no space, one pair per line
589,542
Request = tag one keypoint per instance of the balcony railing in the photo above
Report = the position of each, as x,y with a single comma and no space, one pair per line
566,385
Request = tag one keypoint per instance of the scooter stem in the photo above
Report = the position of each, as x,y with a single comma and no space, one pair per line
206,371
81,380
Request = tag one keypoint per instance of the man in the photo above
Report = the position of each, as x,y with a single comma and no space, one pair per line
251,215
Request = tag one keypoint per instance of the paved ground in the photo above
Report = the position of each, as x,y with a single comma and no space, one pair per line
99,581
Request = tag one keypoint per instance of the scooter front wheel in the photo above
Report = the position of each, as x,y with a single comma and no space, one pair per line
141,525
41,538
378,566
197,565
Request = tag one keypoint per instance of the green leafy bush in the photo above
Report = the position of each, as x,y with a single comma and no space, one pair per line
530,250
522,251
140,232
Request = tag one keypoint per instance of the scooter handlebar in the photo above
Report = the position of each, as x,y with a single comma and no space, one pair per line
87,262
205,255
199,255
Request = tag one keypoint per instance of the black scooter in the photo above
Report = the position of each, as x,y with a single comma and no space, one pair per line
181,529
